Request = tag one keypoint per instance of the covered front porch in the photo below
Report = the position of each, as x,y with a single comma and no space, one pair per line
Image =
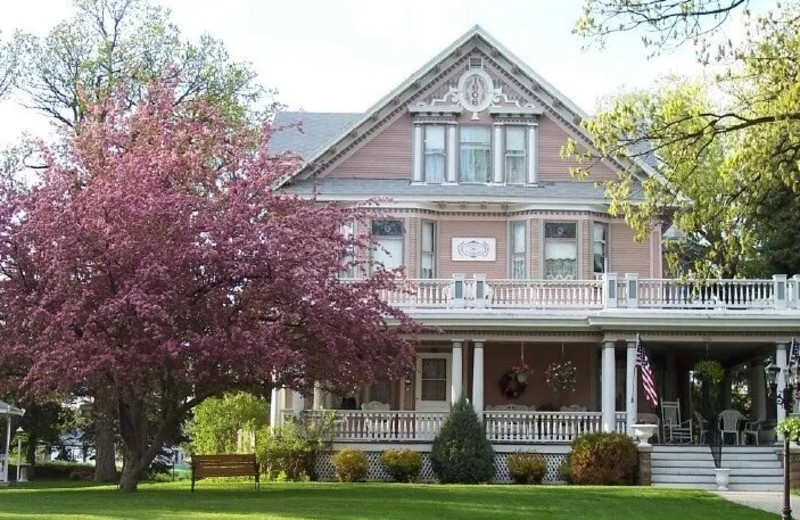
605,395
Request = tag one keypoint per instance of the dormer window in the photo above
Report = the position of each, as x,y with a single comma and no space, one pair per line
435,155
515,155
475,154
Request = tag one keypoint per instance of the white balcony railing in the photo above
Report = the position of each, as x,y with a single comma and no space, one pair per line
459,292
367,426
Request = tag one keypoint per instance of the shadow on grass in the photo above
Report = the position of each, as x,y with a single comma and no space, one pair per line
356,501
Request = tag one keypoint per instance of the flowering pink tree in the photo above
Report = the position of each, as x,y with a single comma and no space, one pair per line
153,262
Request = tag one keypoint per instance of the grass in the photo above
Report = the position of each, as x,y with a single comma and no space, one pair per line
237,500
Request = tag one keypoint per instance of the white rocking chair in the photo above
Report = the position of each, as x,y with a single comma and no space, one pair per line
675,430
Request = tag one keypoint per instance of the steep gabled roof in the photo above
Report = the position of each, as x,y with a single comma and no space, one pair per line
556,103
307,133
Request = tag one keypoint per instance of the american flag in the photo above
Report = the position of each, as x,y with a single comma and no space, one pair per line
794,353
646,373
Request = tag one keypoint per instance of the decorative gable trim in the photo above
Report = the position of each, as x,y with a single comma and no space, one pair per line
512,69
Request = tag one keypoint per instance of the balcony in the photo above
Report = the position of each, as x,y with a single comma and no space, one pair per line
610,292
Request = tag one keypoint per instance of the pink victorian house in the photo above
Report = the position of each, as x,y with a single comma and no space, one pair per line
538,292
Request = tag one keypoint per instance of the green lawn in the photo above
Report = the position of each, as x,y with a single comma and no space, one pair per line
212,500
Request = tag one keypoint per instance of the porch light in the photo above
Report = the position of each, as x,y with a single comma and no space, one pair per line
772,370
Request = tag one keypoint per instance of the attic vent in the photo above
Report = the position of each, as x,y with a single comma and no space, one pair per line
475,62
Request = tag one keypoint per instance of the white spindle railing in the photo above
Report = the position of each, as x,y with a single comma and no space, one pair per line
540,426
368,425
546,294
648,293
420,293
621,422
706,294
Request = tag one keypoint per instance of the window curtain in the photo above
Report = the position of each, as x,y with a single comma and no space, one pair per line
475,156
561,260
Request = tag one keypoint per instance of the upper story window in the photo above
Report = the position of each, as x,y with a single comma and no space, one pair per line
561,251
427,259
348,266
519,243
389,252
515,155
435,155
475,153
599,248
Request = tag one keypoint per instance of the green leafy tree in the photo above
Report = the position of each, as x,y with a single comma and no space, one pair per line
217,421
721,167
113,44
461,453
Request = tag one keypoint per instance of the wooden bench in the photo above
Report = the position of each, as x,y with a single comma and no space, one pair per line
234,465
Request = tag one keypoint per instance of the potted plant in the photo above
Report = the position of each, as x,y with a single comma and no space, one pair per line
521,372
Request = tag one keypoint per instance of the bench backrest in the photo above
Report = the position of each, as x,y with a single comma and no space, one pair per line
233,465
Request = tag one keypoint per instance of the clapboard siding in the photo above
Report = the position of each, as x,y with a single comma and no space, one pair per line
552,167
385,155
627,256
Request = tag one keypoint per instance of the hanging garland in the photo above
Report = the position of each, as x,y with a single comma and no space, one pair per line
514,382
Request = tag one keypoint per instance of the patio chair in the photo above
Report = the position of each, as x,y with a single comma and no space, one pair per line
729,421
702,428
650,418
675,430
753,428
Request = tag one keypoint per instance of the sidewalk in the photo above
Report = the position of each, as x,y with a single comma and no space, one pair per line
772,502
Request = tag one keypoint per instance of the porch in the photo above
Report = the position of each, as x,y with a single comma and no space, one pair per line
605,397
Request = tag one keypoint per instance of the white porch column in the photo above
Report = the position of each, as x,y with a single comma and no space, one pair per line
499,152
419,153
298,403
275,404
452,154
317,403
631,386
533,150
457,371
477,376
8,447
608,387
780,360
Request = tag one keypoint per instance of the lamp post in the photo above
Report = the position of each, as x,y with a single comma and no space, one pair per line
785,398
19,433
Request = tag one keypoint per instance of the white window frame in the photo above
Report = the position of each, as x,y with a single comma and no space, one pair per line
433,252
401,239
524,154
526,252
577,240
348,230
607,242
489,164
425,153
433,406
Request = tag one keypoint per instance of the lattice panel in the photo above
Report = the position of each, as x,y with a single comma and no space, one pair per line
324,467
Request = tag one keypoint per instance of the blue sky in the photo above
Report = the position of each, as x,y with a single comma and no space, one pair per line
343,55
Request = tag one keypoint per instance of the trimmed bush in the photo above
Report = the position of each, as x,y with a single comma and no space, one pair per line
289,452
403,465
350,465
461,454
59,471
527,468
603,459
565,470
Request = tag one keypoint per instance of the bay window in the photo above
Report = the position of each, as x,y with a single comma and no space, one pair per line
435,155
475,153
428,250
389,252
515,155
519,267
561,251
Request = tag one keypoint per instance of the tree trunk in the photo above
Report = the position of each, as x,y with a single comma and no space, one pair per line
30,450
132,473
105,469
